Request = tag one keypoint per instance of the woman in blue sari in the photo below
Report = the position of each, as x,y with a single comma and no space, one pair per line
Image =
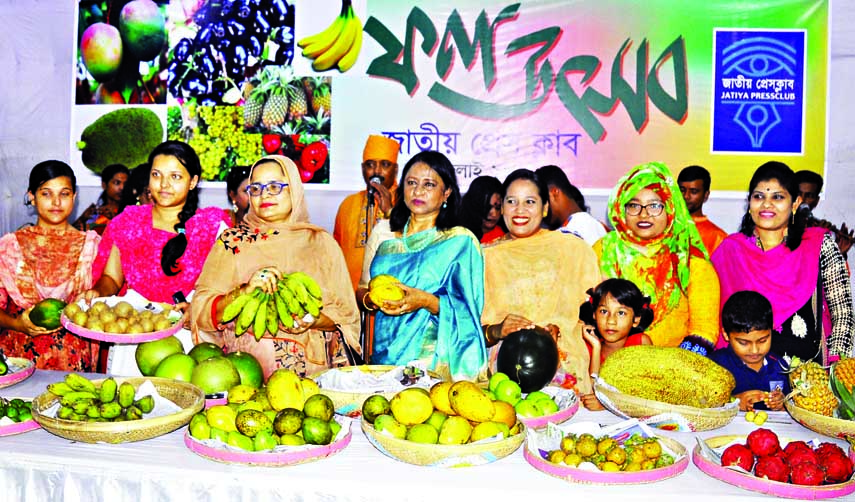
441,271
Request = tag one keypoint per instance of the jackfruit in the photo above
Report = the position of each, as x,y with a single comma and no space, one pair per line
125,136
669,375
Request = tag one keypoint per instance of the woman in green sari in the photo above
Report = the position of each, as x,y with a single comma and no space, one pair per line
441,271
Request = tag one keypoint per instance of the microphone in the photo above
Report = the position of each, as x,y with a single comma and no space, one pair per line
371,190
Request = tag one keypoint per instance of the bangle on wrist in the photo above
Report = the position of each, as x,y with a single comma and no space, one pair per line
369,309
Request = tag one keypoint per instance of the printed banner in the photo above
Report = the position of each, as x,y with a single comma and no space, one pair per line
593,87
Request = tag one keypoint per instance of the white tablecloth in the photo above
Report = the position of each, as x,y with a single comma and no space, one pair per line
40,466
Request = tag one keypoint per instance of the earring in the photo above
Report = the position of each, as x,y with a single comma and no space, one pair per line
234,206
444,204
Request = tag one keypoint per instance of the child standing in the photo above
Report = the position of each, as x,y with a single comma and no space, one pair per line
760,380
615,317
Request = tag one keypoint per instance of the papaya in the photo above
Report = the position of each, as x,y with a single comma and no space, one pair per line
47,312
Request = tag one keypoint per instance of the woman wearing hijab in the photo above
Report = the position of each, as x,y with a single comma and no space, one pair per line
656,245
275,239
799,270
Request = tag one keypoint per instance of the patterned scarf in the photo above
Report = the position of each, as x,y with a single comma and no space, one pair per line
660,266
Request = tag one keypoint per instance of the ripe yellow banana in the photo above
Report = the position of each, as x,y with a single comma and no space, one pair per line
325,39
342,44
347,61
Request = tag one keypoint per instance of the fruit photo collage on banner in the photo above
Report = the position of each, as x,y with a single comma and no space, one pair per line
591,86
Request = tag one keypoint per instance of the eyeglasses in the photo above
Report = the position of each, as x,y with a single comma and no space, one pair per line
373,164
272,188
653,209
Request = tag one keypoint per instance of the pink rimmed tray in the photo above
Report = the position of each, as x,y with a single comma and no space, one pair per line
19,427
295,455
763,485
123,337
558,417
598,477
12,378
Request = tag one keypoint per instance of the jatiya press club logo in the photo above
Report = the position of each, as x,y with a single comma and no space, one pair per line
758,91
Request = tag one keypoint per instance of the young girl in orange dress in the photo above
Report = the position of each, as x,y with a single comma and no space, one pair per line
50,259
615,316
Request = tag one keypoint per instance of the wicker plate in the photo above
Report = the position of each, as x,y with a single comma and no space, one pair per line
123,337
763,485
436,455
828,426
700,419
576,475
296,455
187,396
350,403
560,416
19,427
12,378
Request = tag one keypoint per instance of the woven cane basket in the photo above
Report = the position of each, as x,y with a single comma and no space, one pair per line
190,398
437,455
827,426
700,419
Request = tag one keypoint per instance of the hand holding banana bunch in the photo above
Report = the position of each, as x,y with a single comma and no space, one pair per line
82,400
337,45
296,295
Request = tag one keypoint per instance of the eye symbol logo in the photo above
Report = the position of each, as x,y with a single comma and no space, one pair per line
758,57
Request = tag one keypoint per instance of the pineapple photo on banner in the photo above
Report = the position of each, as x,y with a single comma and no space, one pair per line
593,86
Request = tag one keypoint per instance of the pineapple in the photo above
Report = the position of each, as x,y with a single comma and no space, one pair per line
843,385
844,371
275,110
297,101
252,106
322,99
811,386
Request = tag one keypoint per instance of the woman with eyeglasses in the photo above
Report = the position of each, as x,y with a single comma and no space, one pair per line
656,245
441,272
275,239
537,277
799,269
158,249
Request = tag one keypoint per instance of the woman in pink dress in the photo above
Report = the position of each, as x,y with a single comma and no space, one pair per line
158,250
50,259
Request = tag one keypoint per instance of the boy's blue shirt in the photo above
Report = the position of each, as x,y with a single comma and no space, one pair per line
749,379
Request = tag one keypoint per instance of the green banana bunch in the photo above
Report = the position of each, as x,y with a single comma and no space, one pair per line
234,308
80,383
59,388
247,314
106,402
272,317
126,394
108,390
260,324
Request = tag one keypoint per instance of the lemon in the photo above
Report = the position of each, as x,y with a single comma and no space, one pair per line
423,433
455,430
241,393
310,388
222,417
240,441
486,430
411,406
